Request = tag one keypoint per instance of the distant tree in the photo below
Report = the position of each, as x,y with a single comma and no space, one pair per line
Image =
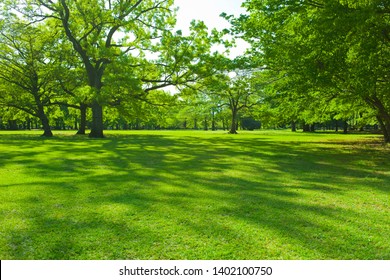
237,92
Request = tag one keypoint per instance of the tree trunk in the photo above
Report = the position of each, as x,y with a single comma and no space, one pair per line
385,127
233,126
46,126
293,126
386,133
306,127
97,125
213,126
28,121
83,119
43,118
383,118
345,129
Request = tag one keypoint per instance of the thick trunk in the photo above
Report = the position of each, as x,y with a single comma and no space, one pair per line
97,121
234,123
385,127
95,82
383,116
46,126
386,132
43,118
83,119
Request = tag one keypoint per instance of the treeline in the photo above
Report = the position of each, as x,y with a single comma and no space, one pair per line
180,118
96,65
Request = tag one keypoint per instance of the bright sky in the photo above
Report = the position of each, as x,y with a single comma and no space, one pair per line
209,11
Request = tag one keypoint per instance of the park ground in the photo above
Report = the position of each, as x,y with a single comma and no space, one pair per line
194,195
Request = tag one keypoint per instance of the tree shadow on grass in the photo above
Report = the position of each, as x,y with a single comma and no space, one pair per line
164,197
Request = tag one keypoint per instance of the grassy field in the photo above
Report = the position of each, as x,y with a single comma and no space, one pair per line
194,195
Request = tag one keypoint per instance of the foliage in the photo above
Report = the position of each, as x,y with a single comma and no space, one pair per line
26,73
115,52
323,49
121,64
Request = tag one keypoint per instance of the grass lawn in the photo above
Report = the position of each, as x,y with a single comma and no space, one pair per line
194,195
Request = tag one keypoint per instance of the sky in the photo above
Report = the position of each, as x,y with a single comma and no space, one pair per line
209,11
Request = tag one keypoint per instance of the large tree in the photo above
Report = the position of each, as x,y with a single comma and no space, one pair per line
337,48
102,32
26,69
118,42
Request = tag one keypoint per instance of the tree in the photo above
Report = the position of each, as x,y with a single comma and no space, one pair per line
102,32
336,48
71,84
126,48
237,91
26,69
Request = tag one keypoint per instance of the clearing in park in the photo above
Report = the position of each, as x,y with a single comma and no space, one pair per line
194,195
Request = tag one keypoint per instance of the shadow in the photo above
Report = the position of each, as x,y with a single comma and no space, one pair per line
152,196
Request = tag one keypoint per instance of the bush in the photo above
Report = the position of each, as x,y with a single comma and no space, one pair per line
250,124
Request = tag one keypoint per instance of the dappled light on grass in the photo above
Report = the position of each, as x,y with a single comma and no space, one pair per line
194,195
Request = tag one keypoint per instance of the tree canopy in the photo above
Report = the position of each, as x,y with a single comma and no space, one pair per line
122,64
329,50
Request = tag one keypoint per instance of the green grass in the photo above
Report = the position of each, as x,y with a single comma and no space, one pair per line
194,195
